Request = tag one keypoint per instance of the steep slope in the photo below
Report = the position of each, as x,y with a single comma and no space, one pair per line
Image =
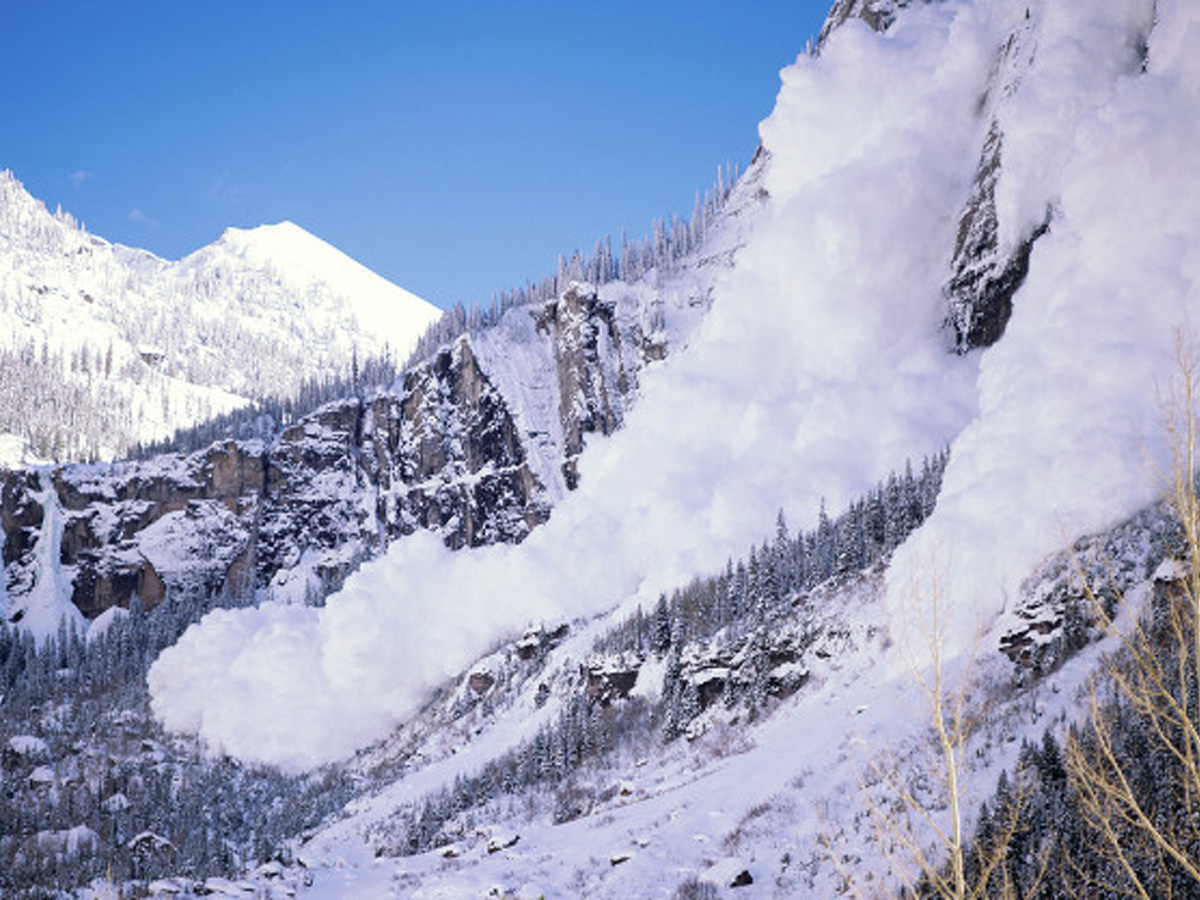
1070,431
812,376
103,346
476,444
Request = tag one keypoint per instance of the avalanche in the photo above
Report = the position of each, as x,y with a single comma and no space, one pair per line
1070,434
820,368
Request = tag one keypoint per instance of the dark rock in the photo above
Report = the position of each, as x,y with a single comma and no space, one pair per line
502,842
603,684
585,337
20,513
742,879
877,14
462,465
537,641
984,280
480,682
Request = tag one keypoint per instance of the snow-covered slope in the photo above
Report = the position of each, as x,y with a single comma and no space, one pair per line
979,229
1070,433
813,376
103,346
902,287
475,444
375,311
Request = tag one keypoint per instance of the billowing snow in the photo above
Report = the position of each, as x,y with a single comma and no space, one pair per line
1070,431
814,374
820,369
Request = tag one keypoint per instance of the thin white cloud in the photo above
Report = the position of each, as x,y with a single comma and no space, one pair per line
77,178
136,215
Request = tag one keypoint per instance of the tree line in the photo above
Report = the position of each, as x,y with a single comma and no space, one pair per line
667,245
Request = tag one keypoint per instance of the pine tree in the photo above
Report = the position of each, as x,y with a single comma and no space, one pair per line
661,638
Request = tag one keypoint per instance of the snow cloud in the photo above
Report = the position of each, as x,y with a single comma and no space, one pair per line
819,369
814,375
1070,432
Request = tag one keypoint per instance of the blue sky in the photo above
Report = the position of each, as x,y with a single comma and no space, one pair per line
456,148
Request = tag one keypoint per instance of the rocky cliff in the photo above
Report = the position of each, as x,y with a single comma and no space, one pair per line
453,448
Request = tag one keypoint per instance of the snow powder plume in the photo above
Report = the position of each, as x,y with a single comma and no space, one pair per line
1070,434
820,369
814,374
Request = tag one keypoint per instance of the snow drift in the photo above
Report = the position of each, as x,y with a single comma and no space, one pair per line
820,368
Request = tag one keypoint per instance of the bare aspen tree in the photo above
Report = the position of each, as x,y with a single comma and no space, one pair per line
923,832
1150,690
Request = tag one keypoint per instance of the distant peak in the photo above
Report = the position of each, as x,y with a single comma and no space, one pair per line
267,228
279,228
290,249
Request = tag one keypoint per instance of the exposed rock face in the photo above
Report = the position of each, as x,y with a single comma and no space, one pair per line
1056,613
20,517
452,451
592,376
462,465
605,683
991,258
985,277
988,267
878,14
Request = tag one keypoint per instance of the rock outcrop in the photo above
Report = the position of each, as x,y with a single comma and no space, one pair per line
991,258
877,14
594,377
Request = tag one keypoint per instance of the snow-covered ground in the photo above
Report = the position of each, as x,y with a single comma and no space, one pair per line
782,798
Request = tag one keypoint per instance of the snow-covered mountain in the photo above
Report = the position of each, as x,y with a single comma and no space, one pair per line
971,237
103,346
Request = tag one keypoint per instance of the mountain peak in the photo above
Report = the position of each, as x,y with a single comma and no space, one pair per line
301,257
279,241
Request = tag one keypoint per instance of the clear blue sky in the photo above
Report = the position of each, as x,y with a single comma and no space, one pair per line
454,147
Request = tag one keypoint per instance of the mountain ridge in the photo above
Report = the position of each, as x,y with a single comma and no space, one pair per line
156,345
